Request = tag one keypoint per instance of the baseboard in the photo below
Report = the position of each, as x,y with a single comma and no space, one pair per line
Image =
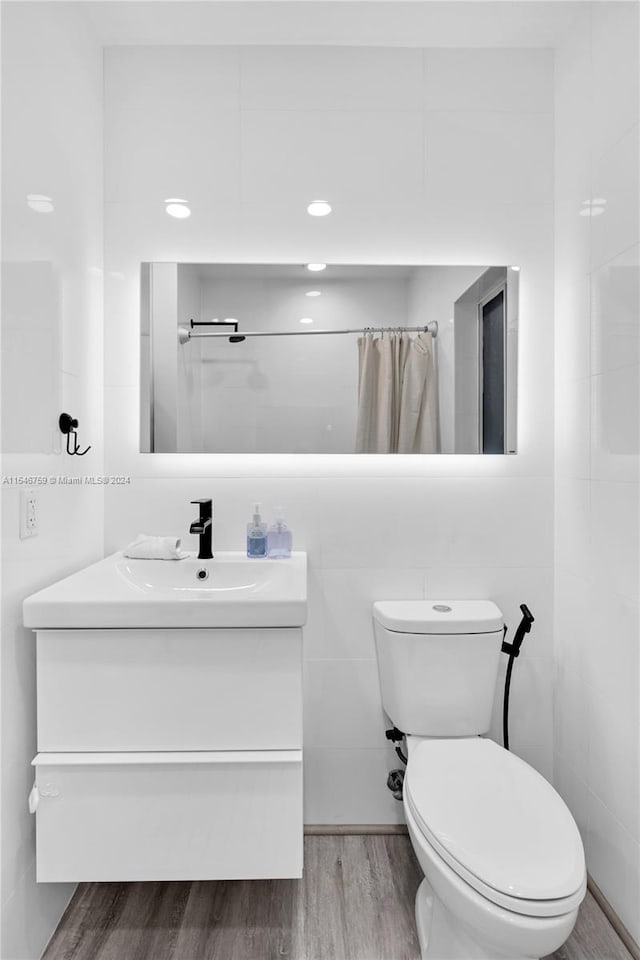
353,829
613,918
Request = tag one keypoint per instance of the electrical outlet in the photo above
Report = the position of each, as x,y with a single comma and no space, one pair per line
28,514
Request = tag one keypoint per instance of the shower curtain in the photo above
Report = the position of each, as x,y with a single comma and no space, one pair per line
397,399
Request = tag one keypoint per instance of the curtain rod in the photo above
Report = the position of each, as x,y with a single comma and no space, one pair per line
185,334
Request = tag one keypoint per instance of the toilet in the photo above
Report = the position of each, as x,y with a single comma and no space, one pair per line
503,862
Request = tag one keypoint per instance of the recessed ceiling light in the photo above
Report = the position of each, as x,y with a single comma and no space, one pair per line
39,203
176,207
517,269
319,208
313,293
315,267
306,320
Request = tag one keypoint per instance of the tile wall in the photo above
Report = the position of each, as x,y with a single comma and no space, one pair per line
51,362
597,615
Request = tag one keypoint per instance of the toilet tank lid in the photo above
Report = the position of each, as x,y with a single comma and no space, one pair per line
439,616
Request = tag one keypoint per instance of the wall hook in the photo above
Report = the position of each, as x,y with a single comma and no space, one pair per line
69,426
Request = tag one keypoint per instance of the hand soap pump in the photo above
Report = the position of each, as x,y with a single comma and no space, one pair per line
256,535
279,537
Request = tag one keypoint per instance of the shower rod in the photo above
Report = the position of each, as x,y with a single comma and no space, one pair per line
185,334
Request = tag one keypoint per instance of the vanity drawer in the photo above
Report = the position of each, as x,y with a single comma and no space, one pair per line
224,689
177,816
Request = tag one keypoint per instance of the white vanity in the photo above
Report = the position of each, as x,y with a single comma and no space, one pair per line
170,720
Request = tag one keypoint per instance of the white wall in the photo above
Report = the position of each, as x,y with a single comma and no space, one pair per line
597,621
52,340
455,147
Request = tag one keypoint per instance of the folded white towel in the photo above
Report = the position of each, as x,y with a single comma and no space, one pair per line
145,547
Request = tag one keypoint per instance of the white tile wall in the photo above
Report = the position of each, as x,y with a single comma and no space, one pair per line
615,424
474,80
353,79
614,54
597,532
342,704
613,536
572,503
488,155
456,148
52,335
343,609
611,650
614,861
347,785
613,757
349,156
615,180
571,731
615,303
155,170
571,788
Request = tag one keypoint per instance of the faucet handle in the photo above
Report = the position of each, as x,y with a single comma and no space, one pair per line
205,507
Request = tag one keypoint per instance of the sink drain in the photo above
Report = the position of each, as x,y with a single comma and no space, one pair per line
202,574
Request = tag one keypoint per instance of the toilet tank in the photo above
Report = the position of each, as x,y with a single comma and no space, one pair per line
438,664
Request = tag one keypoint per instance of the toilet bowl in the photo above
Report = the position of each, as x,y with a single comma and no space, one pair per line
502,856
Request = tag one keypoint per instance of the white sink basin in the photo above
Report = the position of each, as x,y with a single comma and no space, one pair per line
120,592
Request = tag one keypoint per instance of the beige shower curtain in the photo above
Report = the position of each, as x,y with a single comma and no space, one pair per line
396,394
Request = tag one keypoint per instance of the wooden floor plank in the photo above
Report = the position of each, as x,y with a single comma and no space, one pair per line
324,910
355,902
379,901
148,924
94,911
201,920
593,937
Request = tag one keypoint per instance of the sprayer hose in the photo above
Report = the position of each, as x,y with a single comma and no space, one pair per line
505,705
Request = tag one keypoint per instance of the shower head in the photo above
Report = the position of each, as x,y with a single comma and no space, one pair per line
185,333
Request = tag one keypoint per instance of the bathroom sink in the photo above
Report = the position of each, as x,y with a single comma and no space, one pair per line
228,591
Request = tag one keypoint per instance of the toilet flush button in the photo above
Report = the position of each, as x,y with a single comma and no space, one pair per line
441,608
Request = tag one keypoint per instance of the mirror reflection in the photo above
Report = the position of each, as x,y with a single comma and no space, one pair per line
280,358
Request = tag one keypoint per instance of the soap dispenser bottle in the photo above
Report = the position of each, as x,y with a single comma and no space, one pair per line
256,535
279,537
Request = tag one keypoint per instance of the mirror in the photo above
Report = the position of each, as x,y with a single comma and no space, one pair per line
281,358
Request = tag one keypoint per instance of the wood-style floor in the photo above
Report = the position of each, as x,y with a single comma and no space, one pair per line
354,903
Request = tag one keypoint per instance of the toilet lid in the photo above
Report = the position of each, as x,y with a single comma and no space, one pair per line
438,616
492,817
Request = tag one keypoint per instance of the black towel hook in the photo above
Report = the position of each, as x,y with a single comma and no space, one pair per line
69,426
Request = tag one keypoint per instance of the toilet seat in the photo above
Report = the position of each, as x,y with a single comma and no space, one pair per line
498,824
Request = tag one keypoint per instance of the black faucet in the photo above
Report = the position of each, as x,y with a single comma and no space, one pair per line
204,526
